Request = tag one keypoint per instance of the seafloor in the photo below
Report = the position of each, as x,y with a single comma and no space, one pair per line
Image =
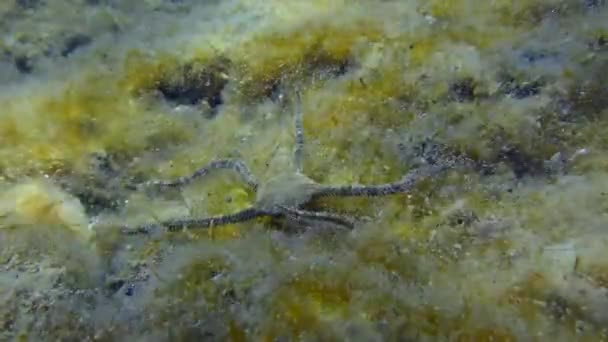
100,97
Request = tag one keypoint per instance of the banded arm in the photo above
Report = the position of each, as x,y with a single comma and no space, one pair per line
402,186
299,134
201,223
231,164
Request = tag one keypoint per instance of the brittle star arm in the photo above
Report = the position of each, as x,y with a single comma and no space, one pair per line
402,186
231,164
299,214
181,224
299,133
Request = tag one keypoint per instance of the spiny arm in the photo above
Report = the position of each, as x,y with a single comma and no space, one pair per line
402,186
299,133
300,214
200,223
231,164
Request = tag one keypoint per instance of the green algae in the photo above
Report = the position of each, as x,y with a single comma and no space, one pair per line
430,263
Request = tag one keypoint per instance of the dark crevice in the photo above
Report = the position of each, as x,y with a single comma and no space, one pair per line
463,90
325,67
521,163
532,56
599,43
501,150
193,83
510,86
432,152
523,90
99,189
462,219
95,201
74,43
275,91
594,4
23,64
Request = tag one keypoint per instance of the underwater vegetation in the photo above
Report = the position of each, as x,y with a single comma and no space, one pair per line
508,243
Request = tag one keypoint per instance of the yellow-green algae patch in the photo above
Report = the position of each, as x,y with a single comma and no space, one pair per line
59,129
38,202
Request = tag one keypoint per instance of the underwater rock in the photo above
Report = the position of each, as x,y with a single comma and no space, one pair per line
38,202
370,75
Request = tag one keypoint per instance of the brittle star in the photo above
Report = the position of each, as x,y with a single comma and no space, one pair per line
286,195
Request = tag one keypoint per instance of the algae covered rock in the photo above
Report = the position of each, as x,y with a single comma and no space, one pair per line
510,247
39,202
